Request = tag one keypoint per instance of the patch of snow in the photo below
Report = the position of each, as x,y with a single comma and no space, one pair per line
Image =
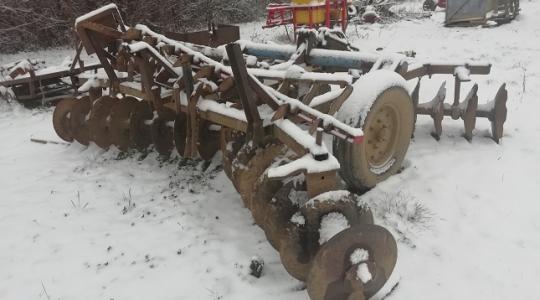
90,83
332,224
378,170
298,219
359,256
363,273
326,97
304,164
222,108
295,72
331,196
139,46
463,73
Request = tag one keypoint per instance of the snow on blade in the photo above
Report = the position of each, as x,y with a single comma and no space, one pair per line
363,273
332,224
359,255
298,219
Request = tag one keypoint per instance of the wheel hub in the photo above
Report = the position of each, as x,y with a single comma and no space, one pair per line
381,136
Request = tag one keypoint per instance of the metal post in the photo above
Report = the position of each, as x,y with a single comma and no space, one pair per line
247,96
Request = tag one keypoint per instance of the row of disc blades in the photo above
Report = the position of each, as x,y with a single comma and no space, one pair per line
327,269
129,123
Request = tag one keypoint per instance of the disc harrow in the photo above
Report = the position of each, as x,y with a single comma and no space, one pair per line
269,109
467,110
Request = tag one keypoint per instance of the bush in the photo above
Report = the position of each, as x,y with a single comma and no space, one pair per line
29,25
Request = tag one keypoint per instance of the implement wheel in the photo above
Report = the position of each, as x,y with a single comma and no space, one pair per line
388,126
61,119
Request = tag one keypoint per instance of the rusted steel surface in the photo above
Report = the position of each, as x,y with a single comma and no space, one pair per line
218,35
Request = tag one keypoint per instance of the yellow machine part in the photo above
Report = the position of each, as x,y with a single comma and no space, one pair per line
302,16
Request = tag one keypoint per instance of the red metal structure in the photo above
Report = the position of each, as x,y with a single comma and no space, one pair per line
335,13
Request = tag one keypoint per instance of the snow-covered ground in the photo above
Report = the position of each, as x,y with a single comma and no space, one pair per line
81,223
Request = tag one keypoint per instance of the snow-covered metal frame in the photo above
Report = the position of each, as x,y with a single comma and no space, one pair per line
31,82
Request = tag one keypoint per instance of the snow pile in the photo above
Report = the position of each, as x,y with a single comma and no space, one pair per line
363,273
360,257
331,196
305,164
92,82
332,224
298,219
295,72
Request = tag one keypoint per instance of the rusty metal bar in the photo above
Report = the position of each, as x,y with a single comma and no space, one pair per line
247,96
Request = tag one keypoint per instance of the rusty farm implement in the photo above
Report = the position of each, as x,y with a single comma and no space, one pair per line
273,111
32,82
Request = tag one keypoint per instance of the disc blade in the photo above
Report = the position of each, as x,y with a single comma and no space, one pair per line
78,120
209,140
180,133
119,124
99,121
333,275
140,130
163,132
61,119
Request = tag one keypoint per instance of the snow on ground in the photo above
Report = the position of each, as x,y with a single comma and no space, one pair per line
81,223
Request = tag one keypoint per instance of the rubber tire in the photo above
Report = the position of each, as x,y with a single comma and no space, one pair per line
355,169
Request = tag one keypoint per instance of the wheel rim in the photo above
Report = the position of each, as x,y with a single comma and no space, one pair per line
78,120
61,119
381,136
